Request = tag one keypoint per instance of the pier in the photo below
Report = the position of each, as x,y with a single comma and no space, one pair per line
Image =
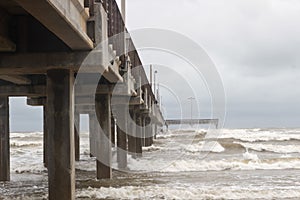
192,121
44,45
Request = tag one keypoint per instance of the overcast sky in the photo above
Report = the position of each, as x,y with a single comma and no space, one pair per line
255,45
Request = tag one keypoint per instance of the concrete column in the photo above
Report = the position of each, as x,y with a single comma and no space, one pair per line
153,134
60,122
113,134
148,135
121,137
139,133
77,135
4,139
103,111
45,138
155,130
143,131
93,130
132,136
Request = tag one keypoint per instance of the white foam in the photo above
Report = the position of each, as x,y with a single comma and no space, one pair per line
182,192
164,136
26,135
151,148
249,161
249,135
250,156
211,146
271,147
17,144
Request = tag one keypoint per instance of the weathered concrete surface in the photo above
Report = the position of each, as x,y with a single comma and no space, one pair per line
60,121
77,135
45,137
66,19
113,132
93,131
131,135
139,135
4,140
121,136
104,154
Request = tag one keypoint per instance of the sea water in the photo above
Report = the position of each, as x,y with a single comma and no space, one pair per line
181,164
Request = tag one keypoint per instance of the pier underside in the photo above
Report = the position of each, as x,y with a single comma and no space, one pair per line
45,46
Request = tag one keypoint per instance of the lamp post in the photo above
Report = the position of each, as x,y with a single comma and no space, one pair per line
155,72
191,99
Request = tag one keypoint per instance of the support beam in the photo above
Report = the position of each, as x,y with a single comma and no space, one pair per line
23,90
143,131
139,133
19,80
121,137
40,91
103,89
4,140
113,132
36,101
93,131
148,135
60,121
45,138
40,63
66,19
132,137
77,135
155,131
104,154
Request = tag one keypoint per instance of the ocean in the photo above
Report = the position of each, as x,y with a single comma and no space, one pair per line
181,164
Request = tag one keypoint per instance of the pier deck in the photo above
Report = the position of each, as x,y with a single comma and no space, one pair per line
44,47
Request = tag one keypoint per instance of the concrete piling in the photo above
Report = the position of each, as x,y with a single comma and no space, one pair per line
60,122
4,139
131,136
77,135
45,137
44,73
104,154
122,137
139,135
113,132
93,130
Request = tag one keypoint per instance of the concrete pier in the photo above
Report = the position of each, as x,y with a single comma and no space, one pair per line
60,122
51,42
148,135
131,136
104,154
122,137
45,137
93,131
113,132
4,139
143,131
139,135
77,135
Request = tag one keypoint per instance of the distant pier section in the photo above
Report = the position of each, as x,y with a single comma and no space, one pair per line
192,121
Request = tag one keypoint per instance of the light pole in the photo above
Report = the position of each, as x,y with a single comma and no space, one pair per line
155,72
191,99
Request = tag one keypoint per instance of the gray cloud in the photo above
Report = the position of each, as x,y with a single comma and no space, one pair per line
254,43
